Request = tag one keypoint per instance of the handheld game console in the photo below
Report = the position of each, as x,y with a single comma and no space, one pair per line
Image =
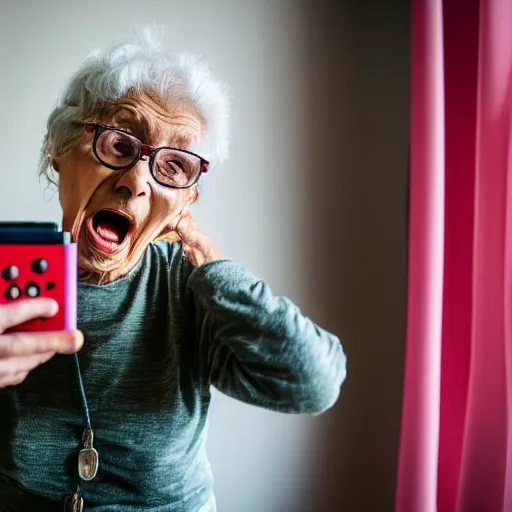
36,260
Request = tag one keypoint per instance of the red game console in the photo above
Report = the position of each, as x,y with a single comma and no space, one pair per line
29,270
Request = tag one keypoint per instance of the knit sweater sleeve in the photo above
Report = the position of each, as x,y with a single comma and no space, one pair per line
259,348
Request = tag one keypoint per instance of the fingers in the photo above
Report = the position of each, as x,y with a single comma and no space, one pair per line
190,254
21,352
14,370
191,235
21,311
187,228
197,247
37,343
12,380
16,366
187,249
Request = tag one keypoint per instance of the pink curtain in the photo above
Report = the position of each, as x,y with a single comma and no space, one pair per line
455,447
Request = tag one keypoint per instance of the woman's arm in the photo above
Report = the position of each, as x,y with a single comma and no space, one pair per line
259,348
254,346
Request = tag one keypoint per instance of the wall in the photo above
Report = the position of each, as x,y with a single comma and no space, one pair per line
313,200
359,232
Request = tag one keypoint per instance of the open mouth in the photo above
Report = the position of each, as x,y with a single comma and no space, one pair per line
109,229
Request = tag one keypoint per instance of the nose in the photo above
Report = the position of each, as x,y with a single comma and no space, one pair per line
134,182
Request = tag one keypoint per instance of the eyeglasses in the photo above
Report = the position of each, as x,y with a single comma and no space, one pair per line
171,167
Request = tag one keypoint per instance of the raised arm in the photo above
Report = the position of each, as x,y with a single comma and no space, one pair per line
257,347
261,349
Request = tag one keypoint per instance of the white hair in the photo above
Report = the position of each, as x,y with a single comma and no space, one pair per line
140,61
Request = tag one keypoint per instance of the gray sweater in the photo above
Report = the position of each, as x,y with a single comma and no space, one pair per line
155,341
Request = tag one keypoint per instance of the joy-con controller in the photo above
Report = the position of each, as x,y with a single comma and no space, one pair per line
41,270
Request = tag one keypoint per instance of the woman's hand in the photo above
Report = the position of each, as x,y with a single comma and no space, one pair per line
21,352
198,247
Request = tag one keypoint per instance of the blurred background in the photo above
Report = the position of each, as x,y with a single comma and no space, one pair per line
313,200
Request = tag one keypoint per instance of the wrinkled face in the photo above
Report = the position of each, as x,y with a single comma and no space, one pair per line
112,214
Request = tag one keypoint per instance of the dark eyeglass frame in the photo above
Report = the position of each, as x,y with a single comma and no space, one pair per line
145,152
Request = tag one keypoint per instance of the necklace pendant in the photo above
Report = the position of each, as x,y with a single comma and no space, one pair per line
88,458
74,503
88,463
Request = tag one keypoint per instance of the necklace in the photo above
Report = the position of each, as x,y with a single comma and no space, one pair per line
88,458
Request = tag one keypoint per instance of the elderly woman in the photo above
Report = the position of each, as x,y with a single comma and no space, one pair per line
121,425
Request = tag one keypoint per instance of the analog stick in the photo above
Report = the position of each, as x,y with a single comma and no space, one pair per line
10,272
12,292
32,289
39,266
